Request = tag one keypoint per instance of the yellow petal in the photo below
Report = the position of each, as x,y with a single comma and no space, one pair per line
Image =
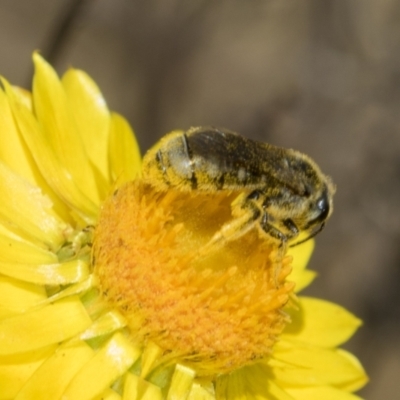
301,254
16,370
58,125
6,312
76,289
107,323
199,392
54,375
48,274
151,354
250,383
108,394
124,151
91,115
13,151
320,323
16,155
302,278
50,324
138,388
26,211
105,367
181,382
16,250
321,393
56,174
359,380
298,365
18,296
24,97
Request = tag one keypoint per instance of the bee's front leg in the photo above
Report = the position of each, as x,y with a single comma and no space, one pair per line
270,230
288,229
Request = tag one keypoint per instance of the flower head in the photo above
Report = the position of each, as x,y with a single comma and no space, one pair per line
105,292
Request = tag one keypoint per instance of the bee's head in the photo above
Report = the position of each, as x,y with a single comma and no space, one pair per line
319,209
316,191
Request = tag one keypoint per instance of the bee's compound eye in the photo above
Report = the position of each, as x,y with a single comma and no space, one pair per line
323,206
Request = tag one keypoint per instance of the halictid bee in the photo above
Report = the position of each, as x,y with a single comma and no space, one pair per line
281,191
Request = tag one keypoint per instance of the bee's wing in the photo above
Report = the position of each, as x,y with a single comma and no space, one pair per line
241,160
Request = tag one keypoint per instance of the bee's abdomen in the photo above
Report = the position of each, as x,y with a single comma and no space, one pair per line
206,158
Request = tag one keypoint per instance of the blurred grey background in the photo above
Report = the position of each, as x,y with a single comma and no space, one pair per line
321,76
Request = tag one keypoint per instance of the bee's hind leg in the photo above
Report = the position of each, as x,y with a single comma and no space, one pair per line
246,215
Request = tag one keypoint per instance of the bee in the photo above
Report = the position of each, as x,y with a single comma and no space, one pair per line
281,192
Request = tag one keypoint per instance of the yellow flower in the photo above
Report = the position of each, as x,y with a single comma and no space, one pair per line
103,293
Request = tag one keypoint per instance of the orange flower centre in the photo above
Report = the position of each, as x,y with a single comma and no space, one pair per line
215,311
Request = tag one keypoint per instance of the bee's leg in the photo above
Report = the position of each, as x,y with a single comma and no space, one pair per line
266,225
246,216
292,227
270,230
